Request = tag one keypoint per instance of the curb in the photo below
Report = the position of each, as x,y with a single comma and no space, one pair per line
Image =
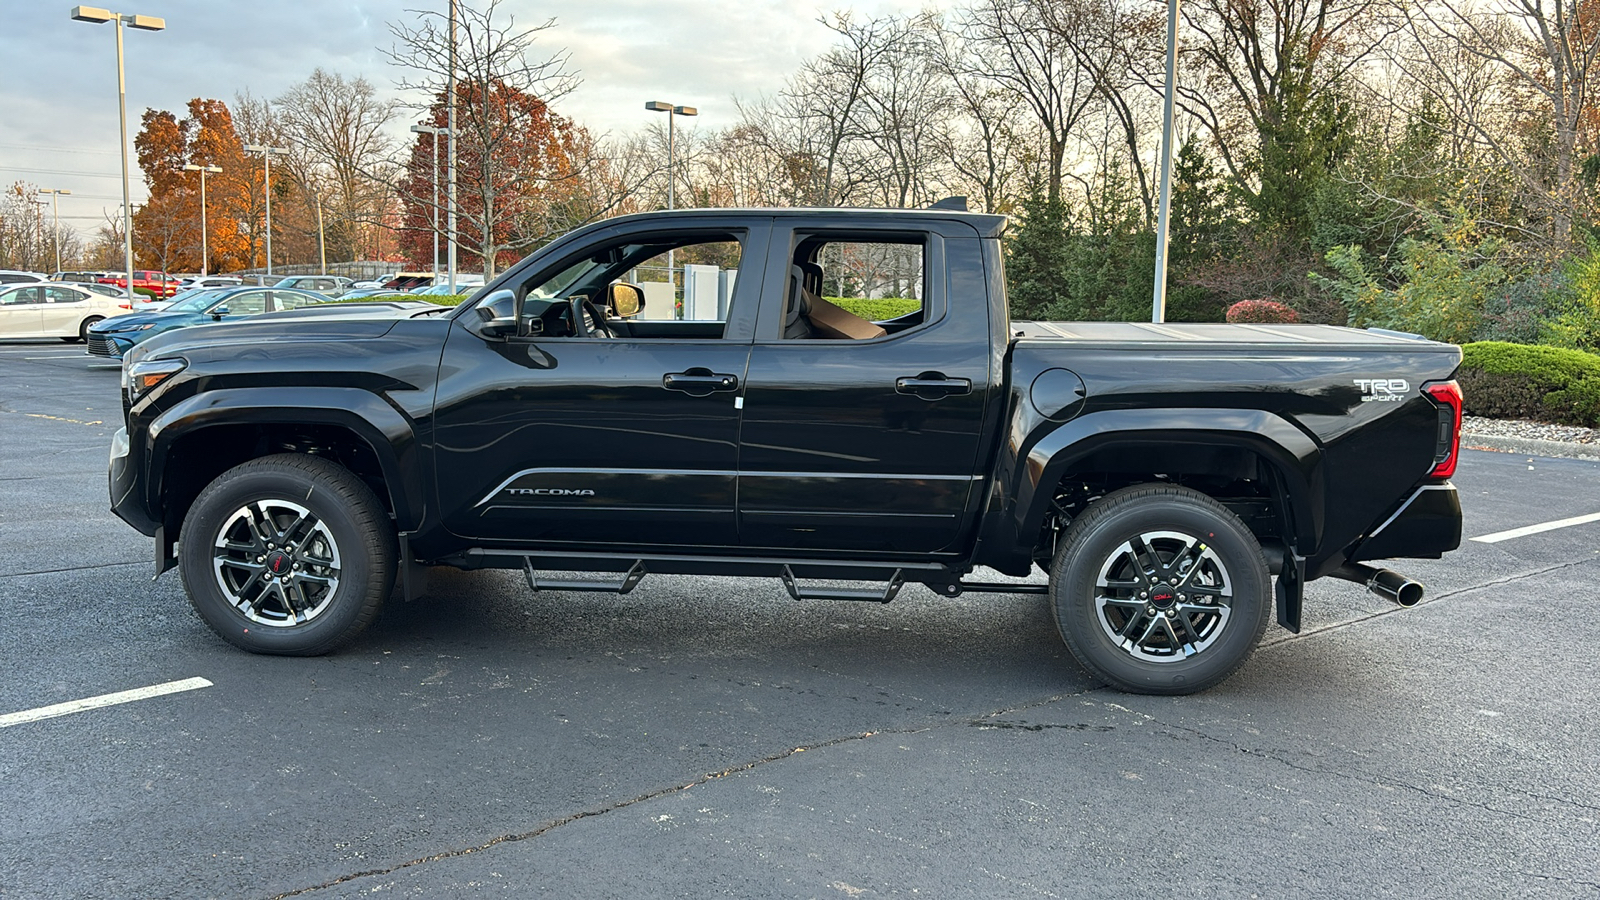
1530,446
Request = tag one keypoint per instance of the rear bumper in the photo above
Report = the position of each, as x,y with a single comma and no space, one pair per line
1427,525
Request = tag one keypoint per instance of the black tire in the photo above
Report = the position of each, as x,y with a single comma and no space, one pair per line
83,330
290,555
1139,617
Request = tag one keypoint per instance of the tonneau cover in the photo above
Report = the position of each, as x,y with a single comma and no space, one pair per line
1210,333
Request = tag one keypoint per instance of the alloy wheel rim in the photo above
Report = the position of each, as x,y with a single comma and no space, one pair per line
1163,596
276,563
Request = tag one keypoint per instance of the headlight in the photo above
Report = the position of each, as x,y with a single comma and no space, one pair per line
139,378
128,328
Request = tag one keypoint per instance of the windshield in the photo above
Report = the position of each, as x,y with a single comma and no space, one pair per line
196,301
557,285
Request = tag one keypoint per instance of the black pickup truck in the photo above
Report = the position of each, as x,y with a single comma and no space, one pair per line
571,419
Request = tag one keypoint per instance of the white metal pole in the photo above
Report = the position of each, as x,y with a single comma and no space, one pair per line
127,203
672,118
436,204
322,245
205,248
1158,307
450,163
266,157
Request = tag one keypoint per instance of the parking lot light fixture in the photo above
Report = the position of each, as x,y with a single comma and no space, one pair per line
96,15
266,156
673,112
435,131
55,208
205,249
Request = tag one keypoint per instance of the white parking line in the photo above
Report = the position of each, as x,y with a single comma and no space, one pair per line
88,703
1526,530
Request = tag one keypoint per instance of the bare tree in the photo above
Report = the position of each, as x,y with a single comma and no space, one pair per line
1529,96
1260,66
1028,48
523,168
346,157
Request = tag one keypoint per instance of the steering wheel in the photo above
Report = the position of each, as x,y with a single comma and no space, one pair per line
587,319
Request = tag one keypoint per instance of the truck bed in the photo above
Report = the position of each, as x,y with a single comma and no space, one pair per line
1214,333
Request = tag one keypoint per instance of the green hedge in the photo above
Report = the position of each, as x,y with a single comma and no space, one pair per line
1522,381
880,310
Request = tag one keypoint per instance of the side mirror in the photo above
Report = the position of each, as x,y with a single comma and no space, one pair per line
496,318
625,300
219,312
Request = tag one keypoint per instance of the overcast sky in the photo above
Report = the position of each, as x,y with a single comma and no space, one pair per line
58,88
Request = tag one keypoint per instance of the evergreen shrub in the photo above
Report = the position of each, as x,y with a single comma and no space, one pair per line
1521,381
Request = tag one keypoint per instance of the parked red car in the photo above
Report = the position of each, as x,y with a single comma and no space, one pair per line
159,283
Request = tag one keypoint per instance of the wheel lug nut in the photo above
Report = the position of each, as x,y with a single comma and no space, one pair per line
1143,594
261,559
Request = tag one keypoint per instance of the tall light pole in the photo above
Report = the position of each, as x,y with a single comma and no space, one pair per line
205,244
435,131
672,117
143,23
322,243
450,165
55,209
1158,305
266,157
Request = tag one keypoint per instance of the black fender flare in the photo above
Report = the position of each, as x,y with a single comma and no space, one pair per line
1045,459
391,435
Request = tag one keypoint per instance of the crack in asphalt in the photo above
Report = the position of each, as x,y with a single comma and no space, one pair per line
1579,881
112,565
547,827
1439,599
1376,780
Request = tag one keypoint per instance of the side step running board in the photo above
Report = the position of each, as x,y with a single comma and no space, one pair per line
869,595
630,580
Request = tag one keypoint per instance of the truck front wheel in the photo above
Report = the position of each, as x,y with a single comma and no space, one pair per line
287,554
1159,589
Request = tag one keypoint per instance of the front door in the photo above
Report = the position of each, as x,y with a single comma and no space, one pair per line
629,438
21,313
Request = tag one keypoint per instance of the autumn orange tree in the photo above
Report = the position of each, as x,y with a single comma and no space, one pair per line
166,229
524,174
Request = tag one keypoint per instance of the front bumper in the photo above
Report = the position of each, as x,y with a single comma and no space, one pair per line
1426,526
122,479
108,346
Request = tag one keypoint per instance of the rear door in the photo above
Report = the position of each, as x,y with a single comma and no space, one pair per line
63,311
867,443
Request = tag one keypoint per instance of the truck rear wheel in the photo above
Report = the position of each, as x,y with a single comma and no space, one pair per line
1159,589
288,554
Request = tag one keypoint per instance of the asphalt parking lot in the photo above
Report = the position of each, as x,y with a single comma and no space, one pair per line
712,737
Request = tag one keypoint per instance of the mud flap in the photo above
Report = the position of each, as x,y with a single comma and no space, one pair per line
165,558
413,575
1291,590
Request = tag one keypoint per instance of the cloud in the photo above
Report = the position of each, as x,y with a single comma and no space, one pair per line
58,88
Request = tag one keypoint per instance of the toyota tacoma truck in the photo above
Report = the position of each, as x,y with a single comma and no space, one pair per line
842,403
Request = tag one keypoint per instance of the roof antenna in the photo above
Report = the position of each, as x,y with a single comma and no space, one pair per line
954,204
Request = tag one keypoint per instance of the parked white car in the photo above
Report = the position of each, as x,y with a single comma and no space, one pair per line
17,276
53,309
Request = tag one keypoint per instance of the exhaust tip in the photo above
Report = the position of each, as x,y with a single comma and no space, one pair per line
1389,585
1408,594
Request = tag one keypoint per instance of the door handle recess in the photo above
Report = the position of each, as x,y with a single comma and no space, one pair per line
699,382
932,385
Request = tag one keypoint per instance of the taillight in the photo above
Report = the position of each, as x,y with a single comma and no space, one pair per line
1447,446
